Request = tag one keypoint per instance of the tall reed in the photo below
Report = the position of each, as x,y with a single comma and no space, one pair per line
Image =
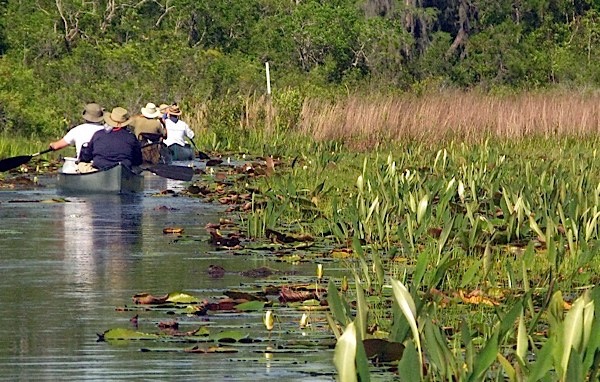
363,122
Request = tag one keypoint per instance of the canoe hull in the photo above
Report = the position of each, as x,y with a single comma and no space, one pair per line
178,152
116,180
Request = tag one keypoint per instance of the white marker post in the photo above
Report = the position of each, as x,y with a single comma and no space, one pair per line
268,78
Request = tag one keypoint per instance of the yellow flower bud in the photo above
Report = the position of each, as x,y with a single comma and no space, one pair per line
303,320
268,320
344,284
319,271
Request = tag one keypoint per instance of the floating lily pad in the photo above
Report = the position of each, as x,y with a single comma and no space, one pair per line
182,298
250,306
229,336
125,334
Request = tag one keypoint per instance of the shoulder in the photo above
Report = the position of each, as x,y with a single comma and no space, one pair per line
99,134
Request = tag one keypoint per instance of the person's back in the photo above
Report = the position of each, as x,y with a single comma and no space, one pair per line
93,114
118,145
177,130
148,124
142,126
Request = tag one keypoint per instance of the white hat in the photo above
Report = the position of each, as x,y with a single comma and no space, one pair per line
150,111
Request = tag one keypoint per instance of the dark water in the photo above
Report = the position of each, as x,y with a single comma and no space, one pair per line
65,267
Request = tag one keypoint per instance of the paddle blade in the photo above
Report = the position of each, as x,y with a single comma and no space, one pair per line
10,163
172,172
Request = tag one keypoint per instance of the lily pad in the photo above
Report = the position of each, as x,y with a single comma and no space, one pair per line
125,334
250,306
229,336
182,298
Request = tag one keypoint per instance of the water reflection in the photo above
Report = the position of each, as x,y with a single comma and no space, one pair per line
66,266
99,235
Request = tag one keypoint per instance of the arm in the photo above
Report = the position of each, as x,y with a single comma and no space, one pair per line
60,144
189,132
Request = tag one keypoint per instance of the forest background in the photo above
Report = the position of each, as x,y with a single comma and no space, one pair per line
378,64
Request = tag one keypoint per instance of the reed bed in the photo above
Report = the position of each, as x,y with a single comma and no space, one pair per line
455,115
364,122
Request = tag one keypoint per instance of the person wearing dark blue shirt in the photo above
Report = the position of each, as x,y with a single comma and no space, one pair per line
117,145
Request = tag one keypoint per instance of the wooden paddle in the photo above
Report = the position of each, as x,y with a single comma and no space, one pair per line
170,171
10,163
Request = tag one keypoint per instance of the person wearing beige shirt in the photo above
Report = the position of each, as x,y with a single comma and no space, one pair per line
148,125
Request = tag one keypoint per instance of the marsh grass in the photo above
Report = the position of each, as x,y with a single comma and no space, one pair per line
11,145
276,125
451,115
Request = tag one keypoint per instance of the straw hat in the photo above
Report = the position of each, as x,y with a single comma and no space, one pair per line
118,117
174,110
150,111
163,108
93,112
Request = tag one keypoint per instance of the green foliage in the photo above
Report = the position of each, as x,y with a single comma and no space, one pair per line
60,54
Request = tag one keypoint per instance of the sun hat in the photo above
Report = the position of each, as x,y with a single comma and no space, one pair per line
118,117
150,111
93,112
174,110
163,108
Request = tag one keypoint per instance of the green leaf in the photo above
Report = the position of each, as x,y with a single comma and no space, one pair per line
444,235
408,308
182,298
511,374
543,362
335,304
439,354
361,310
250,306
522,340
485,358
470,274
229,336
362,363
575,370
420,268
127,334
408,367
345,354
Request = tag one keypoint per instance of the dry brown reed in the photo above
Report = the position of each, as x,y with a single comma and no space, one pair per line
466,115
367,121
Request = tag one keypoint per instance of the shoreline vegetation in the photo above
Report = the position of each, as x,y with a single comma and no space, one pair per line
365,122
470,216
469,222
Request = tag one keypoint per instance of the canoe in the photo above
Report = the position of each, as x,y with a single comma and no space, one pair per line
115,180
179,152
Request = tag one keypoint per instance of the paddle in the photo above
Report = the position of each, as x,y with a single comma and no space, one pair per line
10,163
170,171
200,154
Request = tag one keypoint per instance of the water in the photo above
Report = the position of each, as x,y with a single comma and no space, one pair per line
66,267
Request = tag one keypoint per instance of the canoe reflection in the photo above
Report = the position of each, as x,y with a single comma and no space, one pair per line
101,233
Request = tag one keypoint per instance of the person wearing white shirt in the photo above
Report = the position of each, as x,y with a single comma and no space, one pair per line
177,130
93,114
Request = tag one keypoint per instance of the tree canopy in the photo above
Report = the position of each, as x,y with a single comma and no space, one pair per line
56,55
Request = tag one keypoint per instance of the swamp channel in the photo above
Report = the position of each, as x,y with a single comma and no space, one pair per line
97,288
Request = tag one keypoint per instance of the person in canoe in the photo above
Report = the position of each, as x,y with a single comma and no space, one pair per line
148,127
150,130
177,131
110,147
93,115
